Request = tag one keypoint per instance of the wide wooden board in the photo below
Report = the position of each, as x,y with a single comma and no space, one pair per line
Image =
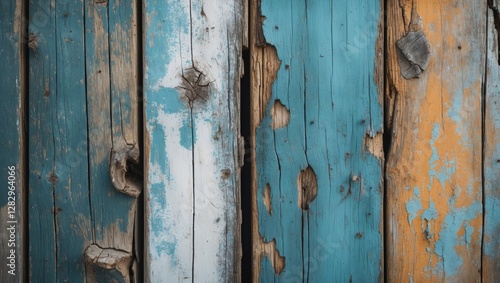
434,185
317,141
191,82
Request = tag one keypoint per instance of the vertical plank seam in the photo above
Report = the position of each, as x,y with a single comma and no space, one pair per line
483,137
385,147
88,124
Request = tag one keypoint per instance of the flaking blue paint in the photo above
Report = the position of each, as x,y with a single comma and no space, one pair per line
330,91
428,215
186,132
414,205
448,167
446,247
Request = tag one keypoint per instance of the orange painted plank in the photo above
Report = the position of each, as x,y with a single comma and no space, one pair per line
434,183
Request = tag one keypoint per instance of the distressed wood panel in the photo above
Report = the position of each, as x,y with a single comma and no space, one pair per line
317,141
12,88
433,173
192,72
59,212
112,98
491,245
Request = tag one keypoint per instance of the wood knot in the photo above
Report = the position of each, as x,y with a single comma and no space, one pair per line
123,179
195,87
307,187
106,264
413,52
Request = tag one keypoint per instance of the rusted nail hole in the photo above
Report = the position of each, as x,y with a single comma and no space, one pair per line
123,179
195,87
359,235
226,173
287,67
52,177
307,187
459,47
354,178
33,42
413,52
276,28
280,115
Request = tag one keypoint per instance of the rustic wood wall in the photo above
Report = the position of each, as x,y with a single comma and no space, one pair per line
374,147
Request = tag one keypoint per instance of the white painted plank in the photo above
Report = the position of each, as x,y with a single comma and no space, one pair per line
192,60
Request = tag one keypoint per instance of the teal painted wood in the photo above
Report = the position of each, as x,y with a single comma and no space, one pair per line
192,71
491,240
327,81
59,213
12,42
111,90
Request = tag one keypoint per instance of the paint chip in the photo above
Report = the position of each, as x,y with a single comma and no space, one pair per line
267,199
277,261
375,145
280,115
307,186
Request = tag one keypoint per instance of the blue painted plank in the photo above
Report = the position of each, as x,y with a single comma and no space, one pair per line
327,82
192,71
491,244
59,212
12,89
112,100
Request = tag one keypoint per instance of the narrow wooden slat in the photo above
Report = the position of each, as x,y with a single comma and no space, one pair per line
12,88
59,213
192,71
434,186
317,138
112,97
491,245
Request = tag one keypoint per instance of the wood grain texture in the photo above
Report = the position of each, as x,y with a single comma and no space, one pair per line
433,173
59,212
192,72
491,245
12,88
317,187
112,102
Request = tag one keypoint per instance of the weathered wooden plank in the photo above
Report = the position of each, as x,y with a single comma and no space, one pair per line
433,173
59,213
12,87
112,97
317,134
192,71
491,245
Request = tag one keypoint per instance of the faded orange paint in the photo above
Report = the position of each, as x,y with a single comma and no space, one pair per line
434,166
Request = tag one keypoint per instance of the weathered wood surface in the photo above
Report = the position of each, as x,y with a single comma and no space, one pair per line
491,238
12,91
192,71
433,173
59,204
317,138
113,123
